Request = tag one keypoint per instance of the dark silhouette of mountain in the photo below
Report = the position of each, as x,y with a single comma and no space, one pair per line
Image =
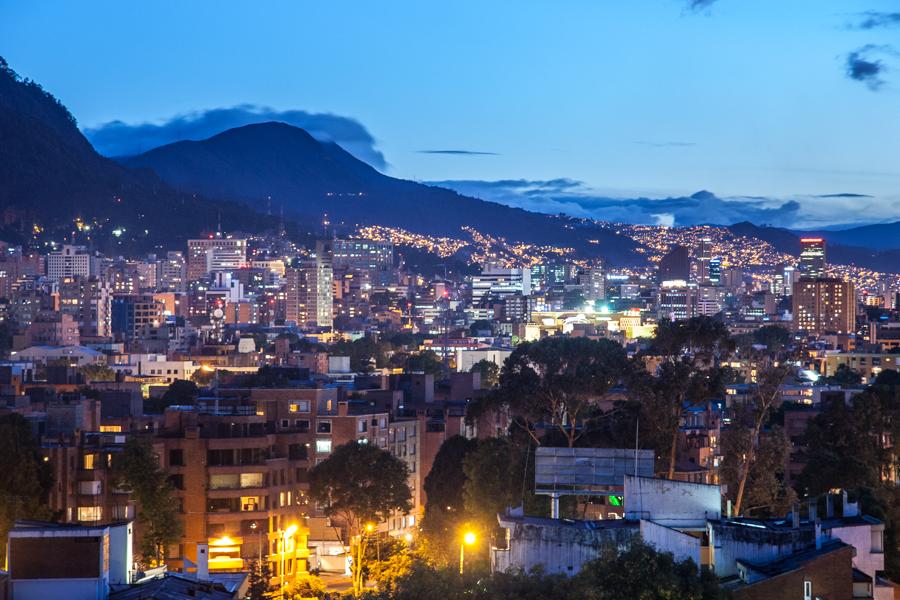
881,236
785,240
312,178
50,175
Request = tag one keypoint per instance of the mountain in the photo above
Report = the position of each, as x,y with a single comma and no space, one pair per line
881,236
51,176
785,240
312,178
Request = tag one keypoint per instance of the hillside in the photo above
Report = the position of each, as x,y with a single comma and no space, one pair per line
788,241
50,175
312,178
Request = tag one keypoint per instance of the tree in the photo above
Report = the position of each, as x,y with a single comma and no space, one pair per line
845,376
360,484
445,510
748,422
490,483
844,444
480,325
92,373
258,582
765,487
642,573
663,397
427,362
774,337
557,380
180,392
137,470
25,478
490,372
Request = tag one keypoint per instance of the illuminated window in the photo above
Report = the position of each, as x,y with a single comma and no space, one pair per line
323,446
90,513
89,460
110,428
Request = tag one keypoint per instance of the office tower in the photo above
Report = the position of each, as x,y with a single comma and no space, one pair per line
213,254
71,261
790,276
89,301
676,300
704,256
172,275
710,300
812,258
375,257
675,265
499,282
824,306
594,284
133,313
715,270
309,291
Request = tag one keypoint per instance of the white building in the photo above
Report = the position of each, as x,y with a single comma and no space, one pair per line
500,282
71,261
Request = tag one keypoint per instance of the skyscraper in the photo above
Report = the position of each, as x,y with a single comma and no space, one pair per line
309,294
205,255
704,256
812,258
824,306
675,265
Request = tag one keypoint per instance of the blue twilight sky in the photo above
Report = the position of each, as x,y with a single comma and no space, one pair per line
771,105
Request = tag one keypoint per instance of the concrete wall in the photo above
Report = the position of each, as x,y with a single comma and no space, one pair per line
664,539
671,503
70,589
831,577
558,550
757,545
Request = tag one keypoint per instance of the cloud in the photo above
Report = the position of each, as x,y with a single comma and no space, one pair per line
124,139
844,195
863,66
699,5
460,152
575,198
876,20
673,144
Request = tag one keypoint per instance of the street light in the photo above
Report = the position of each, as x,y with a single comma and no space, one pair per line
255,527
287,533
467,540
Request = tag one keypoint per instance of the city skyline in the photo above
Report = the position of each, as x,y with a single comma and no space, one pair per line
785,113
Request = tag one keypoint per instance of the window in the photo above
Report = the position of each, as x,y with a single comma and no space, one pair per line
110,429
807,590
302,424
323,427
177,481
285,423
362,426
176,458
323,446
251,480
90,513
300,406
89,461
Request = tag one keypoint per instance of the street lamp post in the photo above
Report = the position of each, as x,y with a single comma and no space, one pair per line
287,533
467,540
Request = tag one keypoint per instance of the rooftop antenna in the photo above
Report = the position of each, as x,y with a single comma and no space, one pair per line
219,224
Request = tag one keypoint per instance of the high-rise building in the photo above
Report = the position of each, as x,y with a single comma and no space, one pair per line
363,254
594,284
500,282
89,301
675,265
215,254
812,258
824,306
132,313
309,292
71,261
715,270
710,300
676,300
704,256
172,273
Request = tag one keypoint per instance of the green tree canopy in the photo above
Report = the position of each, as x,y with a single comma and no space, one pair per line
557,381
490,372
25,478
137,469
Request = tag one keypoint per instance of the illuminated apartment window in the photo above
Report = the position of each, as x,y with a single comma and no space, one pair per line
89,461
90,513
110,429
323,446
